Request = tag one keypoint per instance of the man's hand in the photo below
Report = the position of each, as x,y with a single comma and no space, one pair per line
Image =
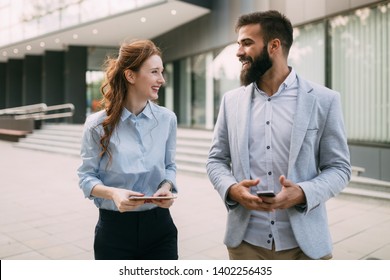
290,195
240,193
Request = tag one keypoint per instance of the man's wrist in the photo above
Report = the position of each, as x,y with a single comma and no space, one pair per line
303,196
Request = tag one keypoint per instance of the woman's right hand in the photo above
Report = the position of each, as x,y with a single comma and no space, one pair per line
122,201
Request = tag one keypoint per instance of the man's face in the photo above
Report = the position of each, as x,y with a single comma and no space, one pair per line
257,67
253,54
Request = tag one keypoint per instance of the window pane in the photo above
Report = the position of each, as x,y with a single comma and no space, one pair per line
360,71
226,72
199,90
307,54
184,94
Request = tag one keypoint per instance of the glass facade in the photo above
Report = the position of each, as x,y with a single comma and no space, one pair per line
307,54
184,92
26,19
360,70
94,80
226,74
198,89
348,53
203,79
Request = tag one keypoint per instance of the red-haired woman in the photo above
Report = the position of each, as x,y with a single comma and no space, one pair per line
128,152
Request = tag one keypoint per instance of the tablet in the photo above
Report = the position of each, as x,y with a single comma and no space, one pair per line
152,198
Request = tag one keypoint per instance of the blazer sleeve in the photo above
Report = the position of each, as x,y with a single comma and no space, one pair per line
333,159
218,165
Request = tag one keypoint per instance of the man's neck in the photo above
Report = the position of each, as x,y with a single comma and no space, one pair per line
272,79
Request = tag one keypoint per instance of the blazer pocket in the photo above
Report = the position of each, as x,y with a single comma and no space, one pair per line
311,133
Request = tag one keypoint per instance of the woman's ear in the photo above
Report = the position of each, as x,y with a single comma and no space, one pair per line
129,75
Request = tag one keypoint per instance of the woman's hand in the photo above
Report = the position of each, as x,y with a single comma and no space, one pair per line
163,191
121,198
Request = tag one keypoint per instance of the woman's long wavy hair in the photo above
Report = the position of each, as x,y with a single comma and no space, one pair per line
115,87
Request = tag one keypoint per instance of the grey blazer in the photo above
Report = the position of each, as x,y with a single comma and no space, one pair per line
318,162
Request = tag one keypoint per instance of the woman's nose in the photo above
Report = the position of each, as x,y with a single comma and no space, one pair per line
161,79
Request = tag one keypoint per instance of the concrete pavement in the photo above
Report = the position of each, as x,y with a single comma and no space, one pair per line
43,214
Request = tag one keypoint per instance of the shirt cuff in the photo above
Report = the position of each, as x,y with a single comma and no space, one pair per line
88,186
301,207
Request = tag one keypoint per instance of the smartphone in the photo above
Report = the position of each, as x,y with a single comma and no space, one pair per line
265,193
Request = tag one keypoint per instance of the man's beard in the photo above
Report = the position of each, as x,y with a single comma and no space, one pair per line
257,67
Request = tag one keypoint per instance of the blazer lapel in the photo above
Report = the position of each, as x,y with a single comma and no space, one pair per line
243,116
302,118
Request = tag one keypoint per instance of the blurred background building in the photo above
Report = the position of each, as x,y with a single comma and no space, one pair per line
52,51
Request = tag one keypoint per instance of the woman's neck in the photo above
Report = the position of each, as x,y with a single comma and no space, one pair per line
135,107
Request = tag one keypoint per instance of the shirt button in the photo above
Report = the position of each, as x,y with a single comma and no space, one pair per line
268,147
267,122
269,99
272,222
270,173
270,235
268,241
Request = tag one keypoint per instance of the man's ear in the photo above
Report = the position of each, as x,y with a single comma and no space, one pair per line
274,45
130,76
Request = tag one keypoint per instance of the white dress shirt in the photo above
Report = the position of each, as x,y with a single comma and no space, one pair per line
269,145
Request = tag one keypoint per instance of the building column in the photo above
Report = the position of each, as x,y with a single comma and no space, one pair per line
3,71
75,82
53,78
209,110
14,82
32,80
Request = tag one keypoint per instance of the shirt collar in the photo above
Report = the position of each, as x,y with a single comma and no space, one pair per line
147,112
288,82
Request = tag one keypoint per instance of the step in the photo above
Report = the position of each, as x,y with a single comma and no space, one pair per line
192,151
55,137
195,133
193,143
190,160
191,169
359,182
63,126
51,149
76,145
363,188
364,193
65,133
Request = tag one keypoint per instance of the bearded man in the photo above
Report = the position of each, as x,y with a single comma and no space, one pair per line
282,134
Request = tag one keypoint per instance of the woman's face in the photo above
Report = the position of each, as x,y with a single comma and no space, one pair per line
148,80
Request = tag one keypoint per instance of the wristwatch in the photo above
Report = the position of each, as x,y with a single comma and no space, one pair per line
166,181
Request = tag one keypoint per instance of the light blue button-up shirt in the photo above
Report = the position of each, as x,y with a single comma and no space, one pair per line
269,148
143,150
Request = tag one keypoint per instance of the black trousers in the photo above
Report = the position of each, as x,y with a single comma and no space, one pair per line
146,235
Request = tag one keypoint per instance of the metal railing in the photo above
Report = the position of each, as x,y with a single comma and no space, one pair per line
22,110
39,111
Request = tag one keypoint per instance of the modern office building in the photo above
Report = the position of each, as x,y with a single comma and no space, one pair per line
53,51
